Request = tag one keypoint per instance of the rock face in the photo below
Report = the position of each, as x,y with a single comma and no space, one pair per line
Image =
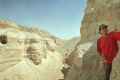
97,12
32,54
90,67
28,54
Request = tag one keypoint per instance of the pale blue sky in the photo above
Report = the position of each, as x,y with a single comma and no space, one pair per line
61,18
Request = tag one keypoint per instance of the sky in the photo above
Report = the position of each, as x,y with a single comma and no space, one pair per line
61,18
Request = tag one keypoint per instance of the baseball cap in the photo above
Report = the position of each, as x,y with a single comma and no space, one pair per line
102,26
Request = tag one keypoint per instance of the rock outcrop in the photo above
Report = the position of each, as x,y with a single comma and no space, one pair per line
28,54
90,66
97,12
32,54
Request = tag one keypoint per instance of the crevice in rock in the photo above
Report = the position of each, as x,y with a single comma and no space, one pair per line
68,61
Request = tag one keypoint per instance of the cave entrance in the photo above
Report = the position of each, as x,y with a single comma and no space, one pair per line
3,39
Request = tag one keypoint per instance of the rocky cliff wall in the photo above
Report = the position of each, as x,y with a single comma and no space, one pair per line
32,54
90,67
27,54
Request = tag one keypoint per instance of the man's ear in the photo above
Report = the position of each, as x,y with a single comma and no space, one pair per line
99,32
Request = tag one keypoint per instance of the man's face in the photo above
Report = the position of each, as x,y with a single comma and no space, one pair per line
104,31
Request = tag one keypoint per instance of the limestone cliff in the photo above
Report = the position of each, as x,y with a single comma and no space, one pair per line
97,12
28,54
90,67
32,54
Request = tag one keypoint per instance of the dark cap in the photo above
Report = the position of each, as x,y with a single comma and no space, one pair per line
102,26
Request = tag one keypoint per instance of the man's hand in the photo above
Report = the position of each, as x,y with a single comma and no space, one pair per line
103,58
104,61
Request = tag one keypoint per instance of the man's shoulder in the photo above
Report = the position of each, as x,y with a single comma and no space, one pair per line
112,32
99,38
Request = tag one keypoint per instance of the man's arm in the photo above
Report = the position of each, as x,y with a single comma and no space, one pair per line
98,47
103,58
100,52
116,35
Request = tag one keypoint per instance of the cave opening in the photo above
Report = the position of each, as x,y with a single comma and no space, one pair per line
3,39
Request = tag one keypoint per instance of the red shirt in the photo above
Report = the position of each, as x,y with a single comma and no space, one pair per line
107,46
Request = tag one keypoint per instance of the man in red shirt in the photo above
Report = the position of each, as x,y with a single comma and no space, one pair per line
107,47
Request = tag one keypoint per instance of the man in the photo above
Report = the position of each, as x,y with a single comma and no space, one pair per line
107,47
